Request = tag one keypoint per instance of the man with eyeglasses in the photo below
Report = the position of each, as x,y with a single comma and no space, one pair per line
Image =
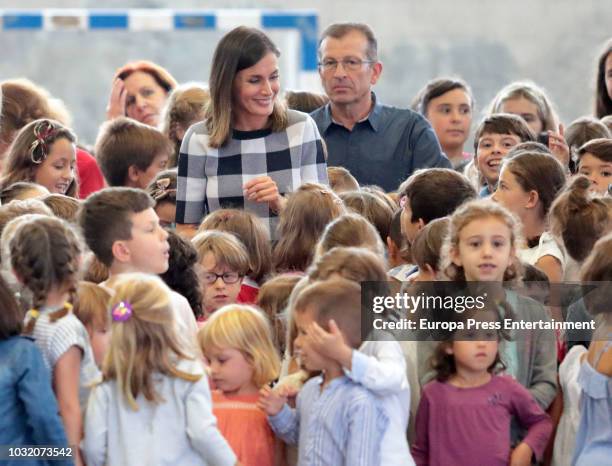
378,144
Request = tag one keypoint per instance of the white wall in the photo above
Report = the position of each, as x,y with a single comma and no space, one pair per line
488,43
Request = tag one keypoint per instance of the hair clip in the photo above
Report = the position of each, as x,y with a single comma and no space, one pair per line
122,311
42,131
161,189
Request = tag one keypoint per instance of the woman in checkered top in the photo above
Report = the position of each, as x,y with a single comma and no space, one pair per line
250,150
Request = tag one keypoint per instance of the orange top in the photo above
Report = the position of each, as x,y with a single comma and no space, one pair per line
245,427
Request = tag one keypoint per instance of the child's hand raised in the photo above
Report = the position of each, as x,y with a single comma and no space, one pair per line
330,344
271,401
558,147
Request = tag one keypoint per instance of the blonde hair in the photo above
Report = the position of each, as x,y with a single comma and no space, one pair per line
341,180
464,215
91,305
145,344
225,247
185,105
246,329
350,230
534,94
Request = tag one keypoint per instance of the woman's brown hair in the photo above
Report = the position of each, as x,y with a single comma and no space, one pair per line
249,229
45,255
239,49
580,219
603,101
308,211
158,73
30,149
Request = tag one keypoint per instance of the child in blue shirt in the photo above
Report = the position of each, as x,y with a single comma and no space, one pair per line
336,421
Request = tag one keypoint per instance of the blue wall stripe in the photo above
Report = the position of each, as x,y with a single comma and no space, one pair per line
108,21
305,23
23,21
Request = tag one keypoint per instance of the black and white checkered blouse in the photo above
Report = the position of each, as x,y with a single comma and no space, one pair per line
210,179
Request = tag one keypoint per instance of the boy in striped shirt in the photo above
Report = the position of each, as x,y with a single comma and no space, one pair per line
336,421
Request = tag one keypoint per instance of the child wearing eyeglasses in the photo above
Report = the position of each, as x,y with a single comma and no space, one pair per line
223,262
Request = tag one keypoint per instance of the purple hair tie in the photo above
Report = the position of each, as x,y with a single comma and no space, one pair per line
122,311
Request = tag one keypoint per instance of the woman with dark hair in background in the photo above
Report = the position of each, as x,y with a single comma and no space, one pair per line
250,150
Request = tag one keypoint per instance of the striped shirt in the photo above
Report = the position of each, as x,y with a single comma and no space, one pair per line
210,179
343,424
55,338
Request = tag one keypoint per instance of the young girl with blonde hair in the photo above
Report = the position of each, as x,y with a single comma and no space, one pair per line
237,343
153,406
45,255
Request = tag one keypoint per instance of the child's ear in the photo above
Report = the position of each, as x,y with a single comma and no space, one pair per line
392,247
448,348
453,252
133,176
121,252
533,199
420,224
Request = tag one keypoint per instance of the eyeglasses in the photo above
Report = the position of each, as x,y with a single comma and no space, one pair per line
349,64
227,277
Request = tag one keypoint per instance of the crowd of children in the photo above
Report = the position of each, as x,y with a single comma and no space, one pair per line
135,344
